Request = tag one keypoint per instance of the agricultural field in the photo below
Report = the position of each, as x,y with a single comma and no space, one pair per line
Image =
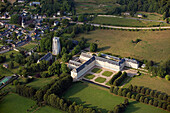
155,83
99,98
120,21
94,6
154,45
13,103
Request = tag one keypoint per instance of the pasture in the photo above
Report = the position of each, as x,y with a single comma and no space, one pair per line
154,45
90,95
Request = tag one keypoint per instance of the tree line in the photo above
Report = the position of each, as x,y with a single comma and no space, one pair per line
159,6
142,97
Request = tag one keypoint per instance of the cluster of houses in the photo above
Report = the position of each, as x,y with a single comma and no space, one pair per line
87,61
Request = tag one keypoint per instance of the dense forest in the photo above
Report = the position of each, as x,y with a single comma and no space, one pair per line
51,7
159,6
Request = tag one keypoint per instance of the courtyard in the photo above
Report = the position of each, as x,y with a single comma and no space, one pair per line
102,76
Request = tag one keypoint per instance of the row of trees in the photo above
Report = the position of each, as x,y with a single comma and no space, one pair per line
139,97
149,92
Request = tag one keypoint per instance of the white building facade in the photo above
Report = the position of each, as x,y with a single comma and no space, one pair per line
89,61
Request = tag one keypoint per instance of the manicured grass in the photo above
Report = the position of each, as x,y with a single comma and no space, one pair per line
154,83
89,76
96,70
116,21
100,79
107,73
90,95
13,103
40,82
155,45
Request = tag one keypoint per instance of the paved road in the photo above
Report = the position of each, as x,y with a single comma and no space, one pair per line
118,27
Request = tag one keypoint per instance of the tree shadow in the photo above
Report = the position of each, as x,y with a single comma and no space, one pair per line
103,48
132,107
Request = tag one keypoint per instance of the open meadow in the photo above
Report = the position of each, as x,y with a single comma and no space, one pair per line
90,95
154,45
120,21
13,103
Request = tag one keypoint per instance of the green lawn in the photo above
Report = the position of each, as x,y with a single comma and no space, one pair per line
90,95
96,70
107,73
89,76
124,22
100,79
155,45
13,103
40,82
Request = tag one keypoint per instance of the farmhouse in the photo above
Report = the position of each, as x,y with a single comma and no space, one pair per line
106,61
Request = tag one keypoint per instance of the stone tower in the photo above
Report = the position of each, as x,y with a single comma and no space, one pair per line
56,46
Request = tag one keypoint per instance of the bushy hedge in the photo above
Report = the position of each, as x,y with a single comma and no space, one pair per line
118,81
115,77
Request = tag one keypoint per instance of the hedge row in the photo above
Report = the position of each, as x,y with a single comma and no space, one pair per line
149,92
118,81
115,77
141,98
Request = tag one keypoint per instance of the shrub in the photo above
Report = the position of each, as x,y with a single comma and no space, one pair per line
130,87
120,79
152,93
147,92
138,89
143,90
45,74
124,92
138,97
134,88
120,92
155,103
126,101
128,95
164,106
150,102
160,104
167,77
146,100
133,96
115,90
141,99
160,96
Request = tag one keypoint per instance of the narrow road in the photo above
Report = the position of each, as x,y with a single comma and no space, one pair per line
118,27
